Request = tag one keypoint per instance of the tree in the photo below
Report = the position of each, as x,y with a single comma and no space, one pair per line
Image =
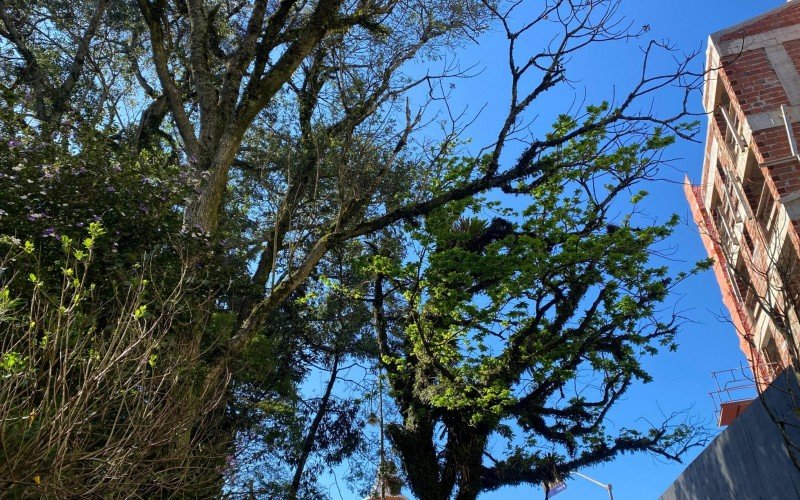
292,127
104,327
288,436
528,328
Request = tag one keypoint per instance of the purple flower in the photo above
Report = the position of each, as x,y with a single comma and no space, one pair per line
50,231
111,189
12,143
116,167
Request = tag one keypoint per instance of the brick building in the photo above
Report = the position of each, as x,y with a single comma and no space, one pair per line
747,204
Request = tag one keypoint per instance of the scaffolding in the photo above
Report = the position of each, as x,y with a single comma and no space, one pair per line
736,389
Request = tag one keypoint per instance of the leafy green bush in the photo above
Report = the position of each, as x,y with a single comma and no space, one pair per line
98,394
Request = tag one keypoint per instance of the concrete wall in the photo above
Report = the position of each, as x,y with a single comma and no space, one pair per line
750,459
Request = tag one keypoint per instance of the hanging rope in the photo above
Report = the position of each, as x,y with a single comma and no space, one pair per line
382,465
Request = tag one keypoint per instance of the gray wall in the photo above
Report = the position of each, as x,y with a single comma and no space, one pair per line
750,459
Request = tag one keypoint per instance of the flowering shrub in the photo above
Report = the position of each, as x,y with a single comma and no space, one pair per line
104,322
50,190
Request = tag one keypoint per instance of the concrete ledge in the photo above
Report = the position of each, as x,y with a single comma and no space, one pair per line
759,41
772,119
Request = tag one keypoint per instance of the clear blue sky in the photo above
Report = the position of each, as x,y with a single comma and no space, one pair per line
682,379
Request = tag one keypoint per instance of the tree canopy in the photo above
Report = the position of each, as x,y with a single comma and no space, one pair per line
528,328
270,206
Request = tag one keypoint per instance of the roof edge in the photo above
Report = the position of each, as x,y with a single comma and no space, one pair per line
719,34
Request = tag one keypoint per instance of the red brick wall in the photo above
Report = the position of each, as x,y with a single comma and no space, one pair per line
786,177
709,236
793,48
756,89
728,89
753,86
772,143
754,82
781,19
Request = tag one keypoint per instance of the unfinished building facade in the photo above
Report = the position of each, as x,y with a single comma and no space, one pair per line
747,204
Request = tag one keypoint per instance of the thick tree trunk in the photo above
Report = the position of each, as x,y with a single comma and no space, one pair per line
414,442
470,448
214,164
453,473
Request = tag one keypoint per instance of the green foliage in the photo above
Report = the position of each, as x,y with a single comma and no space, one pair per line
532,326
51,190
12,363
237,180
84,363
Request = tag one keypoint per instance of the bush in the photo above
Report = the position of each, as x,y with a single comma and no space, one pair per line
100,397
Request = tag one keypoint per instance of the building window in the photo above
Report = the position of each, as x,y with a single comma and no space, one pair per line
744,285
788,267
778,319
766,211
725,212
723,176
759,197
771,353
749,241
730,126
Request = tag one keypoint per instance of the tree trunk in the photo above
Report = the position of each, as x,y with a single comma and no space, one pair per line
470,448
414,442
308,444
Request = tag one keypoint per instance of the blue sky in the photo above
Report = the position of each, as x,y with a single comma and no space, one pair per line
682,379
